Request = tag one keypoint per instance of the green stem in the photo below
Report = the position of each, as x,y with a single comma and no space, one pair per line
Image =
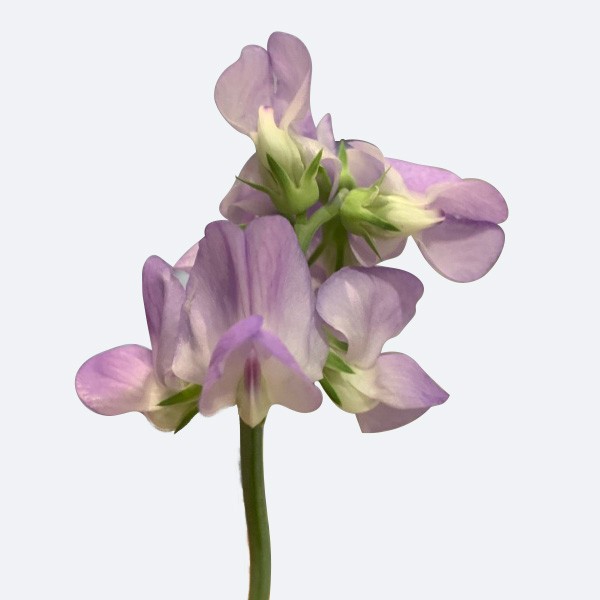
255,503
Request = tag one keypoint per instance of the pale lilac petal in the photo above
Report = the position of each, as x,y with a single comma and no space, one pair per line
325,133
472,199
368,306
292,71
239,273
281,291
115,381
163,298
461,250
397,380
243,87
243,202
365,167
186,262
387,248
278,379
384,418
216,298
278,77
418,178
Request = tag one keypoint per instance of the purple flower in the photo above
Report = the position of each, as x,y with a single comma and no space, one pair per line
454,221
363,308
265,94
134,378
248,330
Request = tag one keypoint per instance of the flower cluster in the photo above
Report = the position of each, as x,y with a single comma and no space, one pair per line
287,292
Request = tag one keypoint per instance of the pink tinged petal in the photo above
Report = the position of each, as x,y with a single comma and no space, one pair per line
163,298
472,199
280,290
115,381
401,383
418,178
365,167
460,249
239,273
292,70
325,133
368,306
384,418
216,298
278,77
243,87
387,248
186,262
243,203
404,390
250,367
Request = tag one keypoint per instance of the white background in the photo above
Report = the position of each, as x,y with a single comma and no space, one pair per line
112,150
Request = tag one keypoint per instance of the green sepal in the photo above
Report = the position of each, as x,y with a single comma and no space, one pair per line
373,219
295,199
324,183
337,344
367,237
346,179
338,364
256,186
328,388
186,395
187,417
312,169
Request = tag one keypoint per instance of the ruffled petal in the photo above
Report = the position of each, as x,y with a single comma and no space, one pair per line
251,367
163,298
368,306
385,418
292,72
460,249
418,178
401,383
278,77
115,381
243,87
243,202
281,291
471,199
216,298
239,273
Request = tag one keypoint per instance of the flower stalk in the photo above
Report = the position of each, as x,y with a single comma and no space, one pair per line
255,503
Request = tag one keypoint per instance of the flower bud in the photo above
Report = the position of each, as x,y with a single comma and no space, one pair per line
366,211
271,140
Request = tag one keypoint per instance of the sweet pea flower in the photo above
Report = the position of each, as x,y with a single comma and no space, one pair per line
265,94
454,221
248,329
364,307
134,378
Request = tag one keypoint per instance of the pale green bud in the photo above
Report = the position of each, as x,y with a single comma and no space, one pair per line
365,211
271,140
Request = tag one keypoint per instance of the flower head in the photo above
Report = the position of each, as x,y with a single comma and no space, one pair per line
266,95
363,308
248,332
454,221
133,378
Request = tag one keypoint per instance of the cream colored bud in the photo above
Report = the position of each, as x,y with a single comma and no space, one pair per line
278,143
